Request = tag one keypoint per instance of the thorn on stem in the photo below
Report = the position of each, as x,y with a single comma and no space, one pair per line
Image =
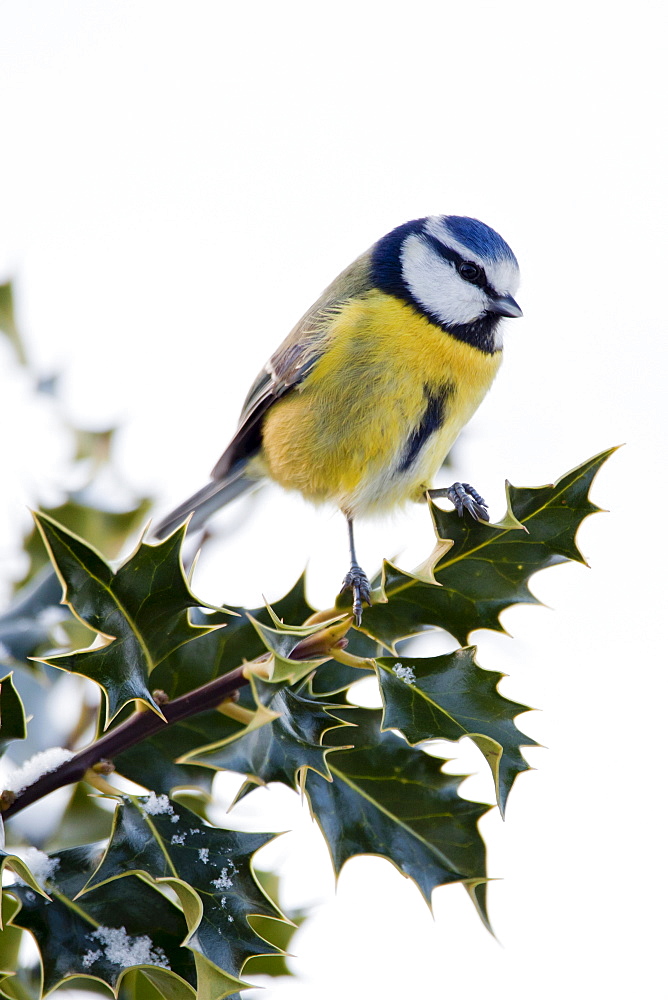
7,798
104,767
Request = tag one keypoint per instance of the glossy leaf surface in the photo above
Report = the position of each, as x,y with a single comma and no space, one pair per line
154,762
209,869
140,609
280,748
236,642
449,697
12,715
390,799
387,796
115,927
488,567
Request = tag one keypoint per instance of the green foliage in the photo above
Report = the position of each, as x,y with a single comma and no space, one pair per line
449,697
142,608
488,566
12,714
389,799
158,901
283,740
75,935
209,870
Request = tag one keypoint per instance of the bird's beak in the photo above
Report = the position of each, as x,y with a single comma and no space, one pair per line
504,305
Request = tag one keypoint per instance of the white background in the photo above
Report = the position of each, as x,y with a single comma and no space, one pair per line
178,182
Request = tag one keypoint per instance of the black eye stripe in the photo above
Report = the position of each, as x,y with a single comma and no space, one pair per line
387,275
455,258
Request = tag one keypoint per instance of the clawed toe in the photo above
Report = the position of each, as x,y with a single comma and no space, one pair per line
464,497
357,581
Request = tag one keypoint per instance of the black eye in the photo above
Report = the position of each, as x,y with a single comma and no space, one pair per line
469,271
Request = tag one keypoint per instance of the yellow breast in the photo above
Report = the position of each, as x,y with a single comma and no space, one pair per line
343,434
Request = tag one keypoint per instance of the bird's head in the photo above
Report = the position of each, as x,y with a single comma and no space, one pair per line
456,271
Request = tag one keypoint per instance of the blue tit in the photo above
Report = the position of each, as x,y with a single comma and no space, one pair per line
365,397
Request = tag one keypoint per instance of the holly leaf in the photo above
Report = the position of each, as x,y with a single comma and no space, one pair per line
140,610
332,677
22,870
282,642
209,869
281,743
28,622
449,697
219,650
246,636
12,714
225,648
278,933
158,762
391,800
18,981
104,934
488,566
107,530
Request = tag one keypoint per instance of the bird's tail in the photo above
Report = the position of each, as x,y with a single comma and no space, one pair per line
202,504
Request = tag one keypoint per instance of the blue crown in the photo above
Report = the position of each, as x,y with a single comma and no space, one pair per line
479,238
482,241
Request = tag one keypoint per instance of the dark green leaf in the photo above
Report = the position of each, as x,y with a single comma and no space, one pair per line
333,677
139,984
152,763
141,609
17,981
209,869
12,716
22,869
488,566
277,932
392,800
448,697
117,926
275,749
281,642
107,530
225,648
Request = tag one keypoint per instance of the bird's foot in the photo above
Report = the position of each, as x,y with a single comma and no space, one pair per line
357,581
464,497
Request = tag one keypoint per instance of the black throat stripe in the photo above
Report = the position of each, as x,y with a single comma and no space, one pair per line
387,275
434,414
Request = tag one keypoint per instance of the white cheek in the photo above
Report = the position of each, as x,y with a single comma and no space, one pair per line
435,284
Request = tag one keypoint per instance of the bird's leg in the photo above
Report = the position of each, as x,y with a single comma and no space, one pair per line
356,579
464,497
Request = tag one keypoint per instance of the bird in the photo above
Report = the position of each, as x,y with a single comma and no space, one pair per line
363,400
